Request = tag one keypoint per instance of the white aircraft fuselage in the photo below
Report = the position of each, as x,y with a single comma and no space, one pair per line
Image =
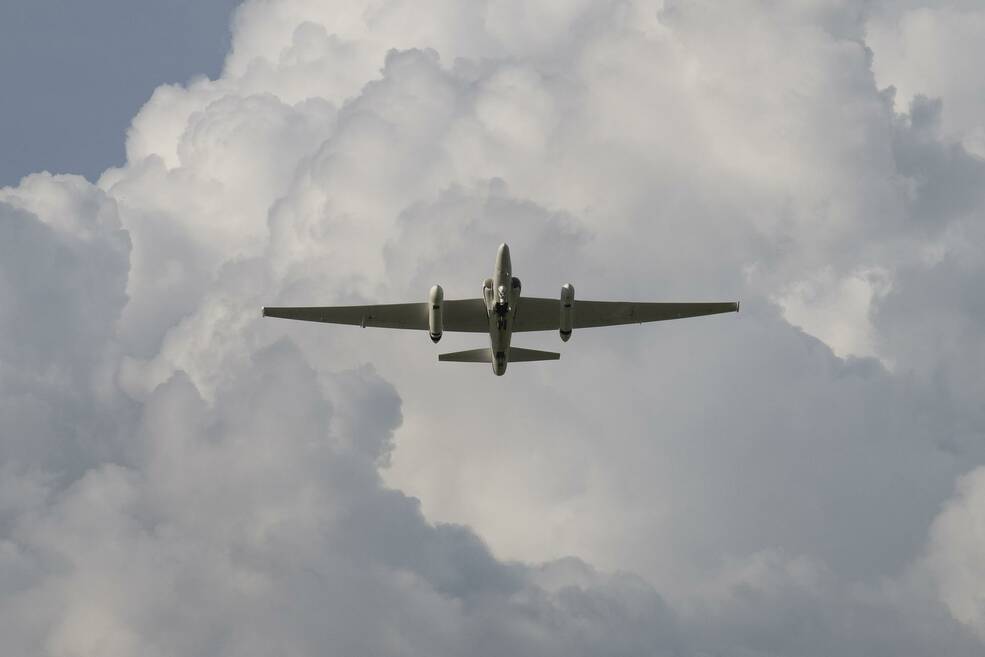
501,294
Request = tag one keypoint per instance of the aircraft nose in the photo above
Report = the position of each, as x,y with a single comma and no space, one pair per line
503,258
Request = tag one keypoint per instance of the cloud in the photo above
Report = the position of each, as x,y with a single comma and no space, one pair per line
63,272
955,552
255,523
185,478
927,48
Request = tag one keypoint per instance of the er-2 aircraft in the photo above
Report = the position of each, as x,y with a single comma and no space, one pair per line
500,312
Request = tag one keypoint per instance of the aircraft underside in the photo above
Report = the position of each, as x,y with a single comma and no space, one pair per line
500,312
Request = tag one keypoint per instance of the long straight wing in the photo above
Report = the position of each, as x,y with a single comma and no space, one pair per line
538,314
464,315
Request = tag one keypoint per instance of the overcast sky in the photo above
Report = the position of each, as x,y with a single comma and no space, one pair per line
180,477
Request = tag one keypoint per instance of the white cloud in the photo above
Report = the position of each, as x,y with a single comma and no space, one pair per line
932,48
837,311
180,477
956,549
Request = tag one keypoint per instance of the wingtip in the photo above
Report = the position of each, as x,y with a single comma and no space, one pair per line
737,304
263,311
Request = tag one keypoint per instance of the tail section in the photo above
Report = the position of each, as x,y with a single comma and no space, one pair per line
470,356
517,355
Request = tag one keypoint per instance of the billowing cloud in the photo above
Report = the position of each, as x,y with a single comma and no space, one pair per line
181,477
930,48
954,558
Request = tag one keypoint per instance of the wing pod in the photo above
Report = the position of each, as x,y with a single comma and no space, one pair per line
567,311
436,300
487,293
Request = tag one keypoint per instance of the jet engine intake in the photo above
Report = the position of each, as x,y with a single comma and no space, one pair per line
567,311
436,299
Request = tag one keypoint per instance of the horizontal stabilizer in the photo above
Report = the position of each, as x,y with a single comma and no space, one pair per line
518,355
470,356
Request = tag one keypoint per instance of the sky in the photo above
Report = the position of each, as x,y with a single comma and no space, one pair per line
180,477
75,73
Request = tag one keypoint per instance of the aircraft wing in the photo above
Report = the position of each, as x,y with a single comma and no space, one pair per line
538,314
463,315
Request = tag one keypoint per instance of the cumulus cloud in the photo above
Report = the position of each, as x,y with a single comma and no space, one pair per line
954,558
180,477
64,263
929,48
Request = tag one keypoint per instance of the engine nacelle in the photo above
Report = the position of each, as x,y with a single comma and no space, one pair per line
487,293
567,311
436,299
